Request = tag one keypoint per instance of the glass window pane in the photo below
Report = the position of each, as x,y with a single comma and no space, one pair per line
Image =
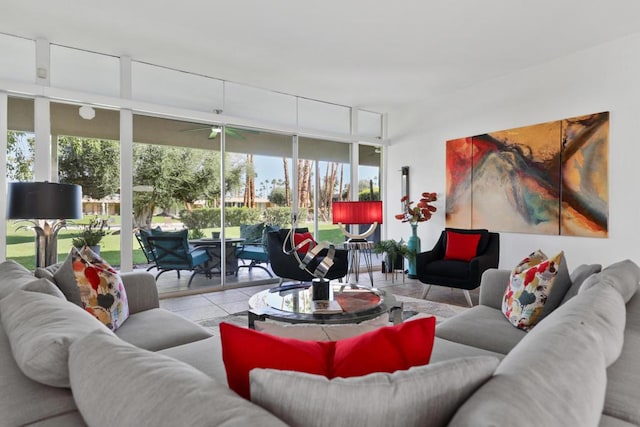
86,71
87,153
369,124
259,104
20,159
18,59
175,88
322,116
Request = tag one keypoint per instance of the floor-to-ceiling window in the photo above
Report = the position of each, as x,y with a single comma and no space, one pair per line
19,168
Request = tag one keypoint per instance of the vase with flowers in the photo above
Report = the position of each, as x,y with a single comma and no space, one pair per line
421,212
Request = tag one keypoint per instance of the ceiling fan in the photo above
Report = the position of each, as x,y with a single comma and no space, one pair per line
215,130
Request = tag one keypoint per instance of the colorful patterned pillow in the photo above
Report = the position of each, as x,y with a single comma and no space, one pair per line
101,290
530,286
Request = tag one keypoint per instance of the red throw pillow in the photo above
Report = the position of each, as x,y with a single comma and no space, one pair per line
387,349
461,246
301,237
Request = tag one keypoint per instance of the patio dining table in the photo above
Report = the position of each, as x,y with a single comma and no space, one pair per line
213,246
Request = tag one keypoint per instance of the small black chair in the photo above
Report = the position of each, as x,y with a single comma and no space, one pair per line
433,269
287,267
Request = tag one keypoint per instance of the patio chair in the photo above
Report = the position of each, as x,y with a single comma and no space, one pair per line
173,253
254,248
141,237
287,267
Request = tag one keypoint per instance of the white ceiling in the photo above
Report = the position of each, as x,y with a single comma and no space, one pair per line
367,53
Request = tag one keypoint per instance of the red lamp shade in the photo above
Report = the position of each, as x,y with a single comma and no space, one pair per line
357,212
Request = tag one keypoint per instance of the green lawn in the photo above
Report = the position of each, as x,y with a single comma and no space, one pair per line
20,243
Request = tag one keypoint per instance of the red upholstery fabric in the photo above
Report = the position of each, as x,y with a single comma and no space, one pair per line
299,238
387,349
461,247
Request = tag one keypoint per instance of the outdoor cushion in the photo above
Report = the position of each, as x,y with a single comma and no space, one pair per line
252,232
420,396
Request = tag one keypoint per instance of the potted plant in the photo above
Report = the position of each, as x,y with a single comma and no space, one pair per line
91,234
395,252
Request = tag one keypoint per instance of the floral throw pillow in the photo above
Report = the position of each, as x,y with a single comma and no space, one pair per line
101,290
530,285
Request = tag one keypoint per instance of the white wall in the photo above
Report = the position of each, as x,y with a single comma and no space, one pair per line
603,78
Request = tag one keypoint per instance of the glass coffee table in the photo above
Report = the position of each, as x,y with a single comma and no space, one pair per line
295,305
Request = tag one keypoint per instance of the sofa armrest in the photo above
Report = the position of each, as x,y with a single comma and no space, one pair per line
141,289
492,286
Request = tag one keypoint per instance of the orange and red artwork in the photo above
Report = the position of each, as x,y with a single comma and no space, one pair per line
549,178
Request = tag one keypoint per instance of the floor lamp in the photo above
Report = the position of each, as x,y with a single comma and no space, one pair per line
46,205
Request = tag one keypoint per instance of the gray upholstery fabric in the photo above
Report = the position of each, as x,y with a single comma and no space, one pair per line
607,421
40,328
578,276
623,276
561,284
44,286
446,350
204,355
12,277
533,378
70,419
141,289
66,281
422,395
23,400
492,287
157,329
481,327
307,332
623,391
160,391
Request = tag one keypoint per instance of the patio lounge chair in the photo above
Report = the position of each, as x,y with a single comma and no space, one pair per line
172,252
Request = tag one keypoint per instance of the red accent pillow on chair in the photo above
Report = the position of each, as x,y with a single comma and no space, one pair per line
462,247
301,237
388,349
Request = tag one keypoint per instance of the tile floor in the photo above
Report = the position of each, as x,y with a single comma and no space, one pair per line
212,303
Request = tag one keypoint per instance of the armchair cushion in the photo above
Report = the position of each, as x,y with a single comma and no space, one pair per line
461,246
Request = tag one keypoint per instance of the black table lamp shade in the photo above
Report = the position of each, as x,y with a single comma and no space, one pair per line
44,200
37,202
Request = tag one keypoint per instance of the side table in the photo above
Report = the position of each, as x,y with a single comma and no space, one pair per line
356,248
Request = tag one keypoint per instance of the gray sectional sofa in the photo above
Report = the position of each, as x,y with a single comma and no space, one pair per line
577,367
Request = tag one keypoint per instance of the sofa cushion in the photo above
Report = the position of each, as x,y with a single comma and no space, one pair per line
41,328
204,355
623,276
12,277
386,349
482,327
157,329
536,287
578,276
461,246
44,286
144,388
446,350
24,400
69,419
101,289
422,395
64,278
310,332
623,393
557,373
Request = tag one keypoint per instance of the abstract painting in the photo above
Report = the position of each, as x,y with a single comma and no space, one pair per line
549,178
